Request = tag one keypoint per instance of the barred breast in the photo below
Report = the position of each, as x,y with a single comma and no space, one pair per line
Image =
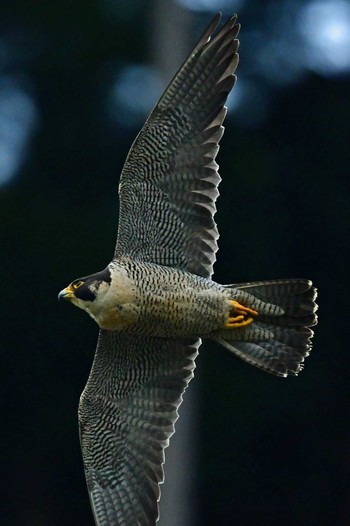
150,299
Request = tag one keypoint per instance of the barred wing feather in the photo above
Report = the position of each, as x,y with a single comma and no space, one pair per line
127,414
169,183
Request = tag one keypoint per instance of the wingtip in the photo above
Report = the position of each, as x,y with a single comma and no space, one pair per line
211,28
229,27
231,22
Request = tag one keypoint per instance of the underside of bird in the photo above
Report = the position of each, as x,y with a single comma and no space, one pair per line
156,300
266,323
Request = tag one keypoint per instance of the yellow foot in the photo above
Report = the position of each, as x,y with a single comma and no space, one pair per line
239,316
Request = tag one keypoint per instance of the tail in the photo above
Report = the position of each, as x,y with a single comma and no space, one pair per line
279,338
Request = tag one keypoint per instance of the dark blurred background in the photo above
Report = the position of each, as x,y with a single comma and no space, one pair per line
77,79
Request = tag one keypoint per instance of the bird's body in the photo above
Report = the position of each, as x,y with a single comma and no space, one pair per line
156,298
167,300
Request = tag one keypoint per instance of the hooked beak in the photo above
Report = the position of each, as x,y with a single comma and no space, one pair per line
66,294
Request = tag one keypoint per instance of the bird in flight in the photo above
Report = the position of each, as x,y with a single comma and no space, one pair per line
156,299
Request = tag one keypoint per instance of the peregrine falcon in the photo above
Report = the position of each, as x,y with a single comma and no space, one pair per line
156,300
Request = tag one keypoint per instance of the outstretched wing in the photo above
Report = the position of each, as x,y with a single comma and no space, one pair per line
127,413
168,189
169,183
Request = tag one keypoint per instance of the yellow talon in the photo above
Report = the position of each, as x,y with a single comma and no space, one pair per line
240,316
236,319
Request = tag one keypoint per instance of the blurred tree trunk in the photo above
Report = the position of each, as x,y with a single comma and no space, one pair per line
170,43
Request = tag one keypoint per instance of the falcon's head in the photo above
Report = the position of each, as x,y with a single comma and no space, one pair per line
83,292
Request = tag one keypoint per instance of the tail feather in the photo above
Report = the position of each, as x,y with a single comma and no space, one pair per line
280,338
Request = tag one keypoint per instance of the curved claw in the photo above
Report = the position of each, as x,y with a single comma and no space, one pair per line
240,316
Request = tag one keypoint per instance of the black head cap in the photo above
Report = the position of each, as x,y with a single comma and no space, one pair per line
88,286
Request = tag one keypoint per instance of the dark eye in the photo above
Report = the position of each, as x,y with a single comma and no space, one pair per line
77,284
